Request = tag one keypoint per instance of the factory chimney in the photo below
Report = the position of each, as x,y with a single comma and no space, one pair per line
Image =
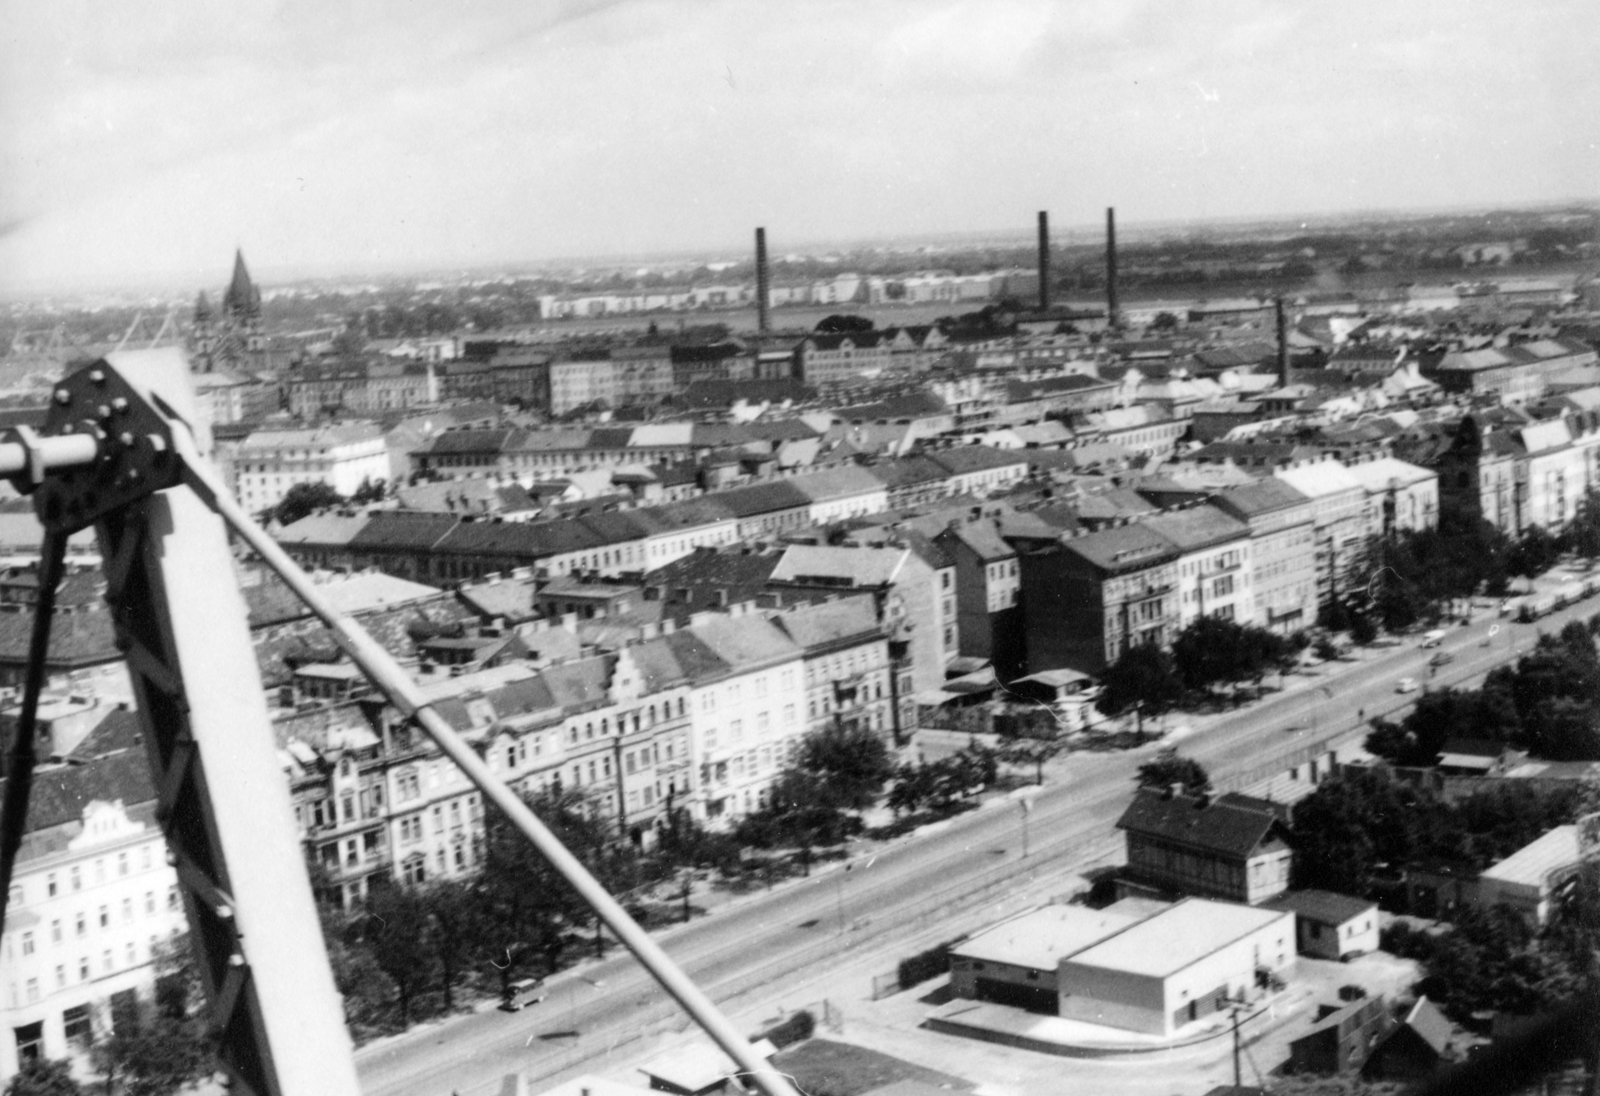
1283,343
1113,320
762,292
1044,260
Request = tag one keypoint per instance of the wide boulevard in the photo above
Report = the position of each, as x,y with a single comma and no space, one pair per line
898,890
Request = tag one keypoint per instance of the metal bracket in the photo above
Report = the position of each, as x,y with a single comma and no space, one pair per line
132,442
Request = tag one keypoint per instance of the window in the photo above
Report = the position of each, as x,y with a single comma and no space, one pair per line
149,901
127,909
83,925
27,943
122,863
50,885
75,1022
105,916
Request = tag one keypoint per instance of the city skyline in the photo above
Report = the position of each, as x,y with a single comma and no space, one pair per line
365,138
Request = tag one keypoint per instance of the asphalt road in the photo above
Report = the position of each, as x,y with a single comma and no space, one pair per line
893,891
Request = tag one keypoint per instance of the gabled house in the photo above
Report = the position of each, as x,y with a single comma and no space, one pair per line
1232,847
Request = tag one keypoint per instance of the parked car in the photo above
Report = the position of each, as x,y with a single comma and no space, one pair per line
521,993
1406,685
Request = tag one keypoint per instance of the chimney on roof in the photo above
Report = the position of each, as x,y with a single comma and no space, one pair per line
1112,320
1044,259
761,280
1283,343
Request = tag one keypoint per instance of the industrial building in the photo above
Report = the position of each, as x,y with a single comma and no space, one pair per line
1530,879
1193,959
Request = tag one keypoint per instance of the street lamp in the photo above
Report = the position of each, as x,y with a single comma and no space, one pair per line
1025,802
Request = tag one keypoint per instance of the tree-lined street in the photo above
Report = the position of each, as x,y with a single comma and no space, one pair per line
889,892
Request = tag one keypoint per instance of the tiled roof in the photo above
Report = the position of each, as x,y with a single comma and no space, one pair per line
83,638
865,567
60,794
763,498
981,538
1216,826
746,641
908,472
975,458
1262,497
400,530
1197,527
837,483
119,730
1123,548
1323,906
828,622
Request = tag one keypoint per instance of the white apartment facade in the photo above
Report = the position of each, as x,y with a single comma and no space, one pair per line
270,462
92,899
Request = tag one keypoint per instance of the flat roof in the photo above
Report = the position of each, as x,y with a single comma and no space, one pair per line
1533,863
1178,937
1041,938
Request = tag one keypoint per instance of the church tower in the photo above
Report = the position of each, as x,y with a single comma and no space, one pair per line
241,306
202,336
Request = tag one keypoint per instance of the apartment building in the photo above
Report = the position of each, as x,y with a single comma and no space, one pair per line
92,900
1089,599
1214,563
1343,520
270,462
1283,559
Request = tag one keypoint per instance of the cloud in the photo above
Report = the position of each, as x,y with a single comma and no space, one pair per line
371,131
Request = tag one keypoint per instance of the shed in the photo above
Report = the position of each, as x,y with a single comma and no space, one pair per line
1342,1037
1329,925
1415,1048
1530,879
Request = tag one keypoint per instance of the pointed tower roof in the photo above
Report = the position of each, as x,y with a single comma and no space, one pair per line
202,308
241,297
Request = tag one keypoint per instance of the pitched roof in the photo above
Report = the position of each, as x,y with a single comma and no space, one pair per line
981,538
746,641
1197,527
832,621
1216,825
1261,497
60,793
1123,548
836,483
975,458
1325,907
841,565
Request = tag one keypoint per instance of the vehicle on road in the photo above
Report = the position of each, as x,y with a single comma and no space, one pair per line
1441,658
1433,638
1406,685
521,993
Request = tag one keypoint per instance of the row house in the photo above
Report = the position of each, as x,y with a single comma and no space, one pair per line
724,361
980,470
838,494
988,594
1519,476
92,902
908,594
517,375
823,359
1516,374
362,388
1214,563
846,664
1088,600
1283,555
1404,497
1343,520
915,347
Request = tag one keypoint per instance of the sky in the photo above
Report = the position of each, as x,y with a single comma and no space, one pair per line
149,138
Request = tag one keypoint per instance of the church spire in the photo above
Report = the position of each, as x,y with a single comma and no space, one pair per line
242,298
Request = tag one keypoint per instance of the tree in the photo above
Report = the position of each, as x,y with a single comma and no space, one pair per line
851,760
306,498
1168,768
1534,553
454,929
843,325
530,904
369,490
1031,737
396,928
1212,650
1362,629
1164,321
1145,679
44,1077
156,1055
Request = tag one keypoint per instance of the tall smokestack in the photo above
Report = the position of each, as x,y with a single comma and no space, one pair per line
761,280
1112,318
1283,343
1044,260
